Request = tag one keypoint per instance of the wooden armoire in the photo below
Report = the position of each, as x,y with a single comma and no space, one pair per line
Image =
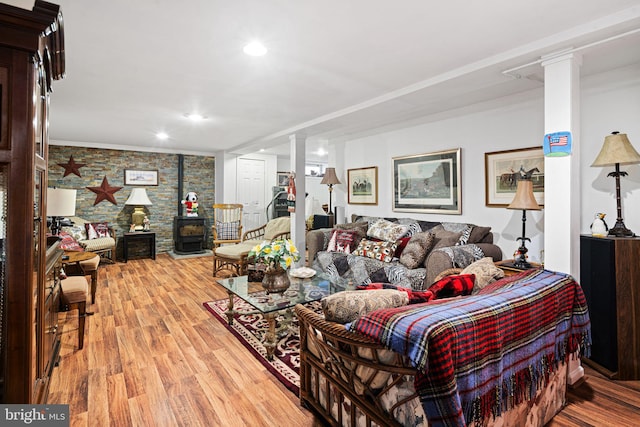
31,58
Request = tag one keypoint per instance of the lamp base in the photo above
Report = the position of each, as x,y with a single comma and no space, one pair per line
137,218
619,230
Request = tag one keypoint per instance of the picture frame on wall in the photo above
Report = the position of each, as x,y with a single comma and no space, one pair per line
503,169
362,186
283,179
140,177
428,183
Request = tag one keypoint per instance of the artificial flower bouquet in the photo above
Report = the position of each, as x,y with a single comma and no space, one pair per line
275,254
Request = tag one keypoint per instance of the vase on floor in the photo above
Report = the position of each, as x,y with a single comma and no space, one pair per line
275,280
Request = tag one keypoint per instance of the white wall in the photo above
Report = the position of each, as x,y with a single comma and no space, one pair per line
609,102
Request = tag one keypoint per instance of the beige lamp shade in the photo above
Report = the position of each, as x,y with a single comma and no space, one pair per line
138,197
61,202
617,149
524,198
330,177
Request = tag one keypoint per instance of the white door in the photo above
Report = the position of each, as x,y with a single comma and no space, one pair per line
251,184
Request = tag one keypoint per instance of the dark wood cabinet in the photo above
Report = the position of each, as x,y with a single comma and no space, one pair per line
610,278
31,57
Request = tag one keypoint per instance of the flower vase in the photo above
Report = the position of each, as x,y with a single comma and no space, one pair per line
275,280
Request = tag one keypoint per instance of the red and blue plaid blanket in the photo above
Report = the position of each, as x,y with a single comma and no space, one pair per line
483,354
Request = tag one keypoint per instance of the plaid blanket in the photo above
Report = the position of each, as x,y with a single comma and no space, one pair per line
483,354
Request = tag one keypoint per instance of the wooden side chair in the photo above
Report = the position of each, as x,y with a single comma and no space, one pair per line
227,224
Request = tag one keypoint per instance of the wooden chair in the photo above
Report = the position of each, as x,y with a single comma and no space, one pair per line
227,224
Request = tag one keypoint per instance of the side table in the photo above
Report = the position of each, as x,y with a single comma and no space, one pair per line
148,236
510,269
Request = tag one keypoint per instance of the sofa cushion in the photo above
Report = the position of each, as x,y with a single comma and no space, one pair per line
386,230
96,230
417,249
68,243
344,240
78,232
485,271
277,226
227,230
361,226
346,306
380,250
401,243
444,238
479,234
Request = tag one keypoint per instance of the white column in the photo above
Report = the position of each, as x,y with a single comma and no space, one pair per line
298,224
561,174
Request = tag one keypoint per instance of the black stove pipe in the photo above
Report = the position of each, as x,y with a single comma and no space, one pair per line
180,183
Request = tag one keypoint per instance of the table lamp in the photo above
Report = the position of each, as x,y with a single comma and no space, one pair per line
330,179
524,200
139,200
61,202
616,151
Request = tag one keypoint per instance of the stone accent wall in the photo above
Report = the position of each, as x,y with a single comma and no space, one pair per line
199,176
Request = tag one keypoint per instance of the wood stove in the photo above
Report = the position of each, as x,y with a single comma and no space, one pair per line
189,234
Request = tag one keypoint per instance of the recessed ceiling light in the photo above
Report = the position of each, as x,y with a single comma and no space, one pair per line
162,136
255,48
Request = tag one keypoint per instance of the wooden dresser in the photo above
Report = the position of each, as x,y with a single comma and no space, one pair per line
610,278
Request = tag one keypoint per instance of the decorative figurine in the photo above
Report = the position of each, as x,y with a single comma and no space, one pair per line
132,228
599,227
146,223
191,202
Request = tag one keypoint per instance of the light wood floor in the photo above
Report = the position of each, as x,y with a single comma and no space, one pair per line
154,356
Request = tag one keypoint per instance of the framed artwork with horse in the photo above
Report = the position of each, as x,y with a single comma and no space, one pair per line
503,170
363,186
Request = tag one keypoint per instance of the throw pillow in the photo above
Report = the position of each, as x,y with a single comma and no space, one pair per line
78,232
386,230
347,306
68,243
227,230
382,251
360,226
344,241
402,243
417,249
453,286
485,271
479,234
97,229
444,238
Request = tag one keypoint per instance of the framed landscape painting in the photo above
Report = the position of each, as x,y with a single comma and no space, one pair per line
363,186
503,169
140,177
428,183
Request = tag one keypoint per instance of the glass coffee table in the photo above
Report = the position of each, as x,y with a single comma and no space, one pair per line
270,306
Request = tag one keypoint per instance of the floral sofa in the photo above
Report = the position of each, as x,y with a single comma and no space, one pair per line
497,357
403,251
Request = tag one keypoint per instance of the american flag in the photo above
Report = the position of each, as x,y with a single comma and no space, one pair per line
558,140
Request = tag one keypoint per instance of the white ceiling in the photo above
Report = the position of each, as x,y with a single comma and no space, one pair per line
335,69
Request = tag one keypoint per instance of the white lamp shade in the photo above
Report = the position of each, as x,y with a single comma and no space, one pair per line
138,197
61,202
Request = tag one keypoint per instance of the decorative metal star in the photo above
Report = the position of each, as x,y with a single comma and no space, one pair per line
71,167
104,192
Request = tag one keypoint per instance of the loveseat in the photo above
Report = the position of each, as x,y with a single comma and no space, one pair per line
502,360
97,237
452,245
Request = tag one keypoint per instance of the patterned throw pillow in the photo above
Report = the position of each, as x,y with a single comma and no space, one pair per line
227,230
485,271
387,230
453,286
347,306
68,243
344,241
417,250
382,251
78,232
96,230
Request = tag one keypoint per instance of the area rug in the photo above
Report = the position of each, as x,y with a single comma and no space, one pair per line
250,330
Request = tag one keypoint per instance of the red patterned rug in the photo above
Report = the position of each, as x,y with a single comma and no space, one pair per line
250,329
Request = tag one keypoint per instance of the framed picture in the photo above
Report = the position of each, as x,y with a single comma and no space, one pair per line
140,177
283,179
363,186
503,169
428,183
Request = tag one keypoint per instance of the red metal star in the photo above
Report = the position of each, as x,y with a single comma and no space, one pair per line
104,192
71,167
